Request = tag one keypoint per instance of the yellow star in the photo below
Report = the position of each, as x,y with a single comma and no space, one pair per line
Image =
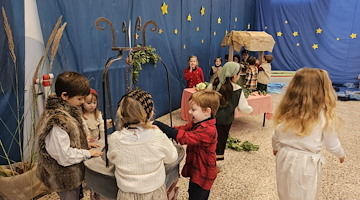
226,32
176,31
189,17
337,39
295,33
164,8
136,36
214,33
202,41
160,31
184,46
202,11
235,19
315,46
197,28
248,26
286,22
279,34
297,44
353,35
265,27
219,20
319,30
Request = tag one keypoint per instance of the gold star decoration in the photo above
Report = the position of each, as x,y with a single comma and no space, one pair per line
202,11
226,32
319,30
295,33
315,46
286,22
202,41
337,39
189,18
197,28
219,20
353,35
236,19
160,31
279,34
164,8
248,26
265,27
214,33
184,46
136,36
176,31
297,44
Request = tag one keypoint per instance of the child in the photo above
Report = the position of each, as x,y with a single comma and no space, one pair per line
139,150
231,97
193,74
251,74
200,137
264,73
215,69
305,119
236,58
61,138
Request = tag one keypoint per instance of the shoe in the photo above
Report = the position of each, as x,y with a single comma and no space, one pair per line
219,157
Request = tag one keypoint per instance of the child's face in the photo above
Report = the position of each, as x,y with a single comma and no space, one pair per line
75,100
193,62
90,103
198,114
217,62
236,59
244,56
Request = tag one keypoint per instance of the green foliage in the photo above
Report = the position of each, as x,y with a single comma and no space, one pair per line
235,144
246,91
142,57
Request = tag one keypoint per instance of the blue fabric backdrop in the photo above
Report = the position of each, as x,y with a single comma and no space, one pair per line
321,34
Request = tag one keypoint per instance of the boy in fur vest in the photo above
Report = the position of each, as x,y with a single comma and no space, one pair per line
61,138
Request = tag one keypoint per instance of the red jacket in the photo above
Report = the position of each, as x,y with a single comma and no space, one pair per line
194,77
201,140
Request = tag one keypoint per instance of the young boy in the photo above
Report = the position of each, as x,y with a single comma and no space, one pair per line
264,73
200,136
251,74
61,138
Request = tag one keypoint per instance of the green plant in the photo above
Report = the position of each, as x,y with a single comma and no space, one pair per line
142,57
235,144
246,91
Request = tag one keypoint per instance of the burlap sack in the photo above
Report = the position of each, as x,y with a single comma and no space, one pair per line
23,186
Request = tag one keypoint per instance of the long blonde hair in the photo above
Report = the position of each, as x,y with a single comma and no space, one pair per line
309,93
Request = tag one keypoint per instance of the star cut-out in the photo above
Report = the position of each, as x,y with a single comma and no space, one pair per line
315,46
136,36
164,8
297,44
337,39
202,11
160,31
214,33
236,19
176,31
279,34
226,32
219,20
197,28
295,33
189,18
286,22
248,26
319,30
353,35
184,46
202,41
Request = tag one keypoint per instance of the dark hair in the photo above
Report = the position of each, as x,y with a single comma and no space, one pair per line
268,58
225,90
218,58
251,60
73,83
244,51
226,57
237,56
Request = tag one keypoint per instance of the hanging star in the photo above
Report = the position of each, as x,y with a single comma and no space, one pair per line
176,31
297,44
184,46
248,26
353,35
160,31
202,41
197,28
164,8
219,20
295,33
236,19
265,27
202,11
319,30
337,39
214,33
279,34
136,36
189,18
315,46
286,22
226,32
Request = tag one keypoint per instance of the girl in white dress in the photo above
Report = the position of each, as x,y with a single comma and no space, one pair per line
305,120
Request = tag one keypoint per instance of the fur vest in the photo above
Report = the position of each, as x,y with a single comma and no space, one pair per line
59,112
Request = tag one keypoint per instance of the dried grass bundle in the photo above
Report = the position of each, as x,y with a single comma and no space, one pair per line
9,35
56,42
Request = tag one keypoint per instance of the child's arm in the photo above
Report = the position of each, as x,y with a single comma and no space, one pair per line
187,74
169,131
333,144
274,142
200,136
243,105
57,144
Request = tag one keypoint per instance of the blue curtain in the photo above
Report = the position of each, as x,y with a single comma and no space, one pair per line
12,82
320,34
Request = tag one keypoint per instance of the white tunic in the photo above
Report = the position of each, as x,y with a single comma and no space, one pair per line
299,160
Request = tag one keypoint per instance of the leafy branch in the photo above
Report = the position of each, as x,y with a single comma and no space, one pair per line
233,143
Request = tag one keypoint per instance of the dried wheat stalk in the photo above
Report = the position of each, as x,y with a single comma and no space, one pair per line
9,35
55,44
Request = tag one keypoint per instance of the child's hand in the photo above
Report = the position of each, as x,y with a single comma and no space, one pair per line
342,159
93,145
109,123
95,153
275,152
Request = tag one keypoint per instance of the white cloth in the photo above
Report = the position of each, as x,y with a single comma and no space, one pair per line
264,76
139,156
299,160
94,126
243,105
57,144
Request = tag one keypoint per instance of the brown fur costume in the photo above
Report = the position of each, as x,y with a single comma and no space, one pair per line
58,112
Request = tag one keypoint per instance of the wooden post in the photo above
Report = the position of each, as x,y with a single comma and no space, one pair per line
231,53
261,55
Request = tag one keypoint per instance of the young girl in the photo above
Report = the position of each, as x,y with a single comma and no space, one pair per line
193,74
139,150
305,120
214,72
232,97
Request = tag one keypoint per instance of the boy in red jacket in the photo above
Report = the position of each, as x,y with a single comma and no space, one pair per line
200,136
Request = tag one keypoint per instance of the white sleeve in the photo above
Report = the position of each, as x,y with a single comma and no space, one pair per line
243,105
57,144
332,143
275,140
170,151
